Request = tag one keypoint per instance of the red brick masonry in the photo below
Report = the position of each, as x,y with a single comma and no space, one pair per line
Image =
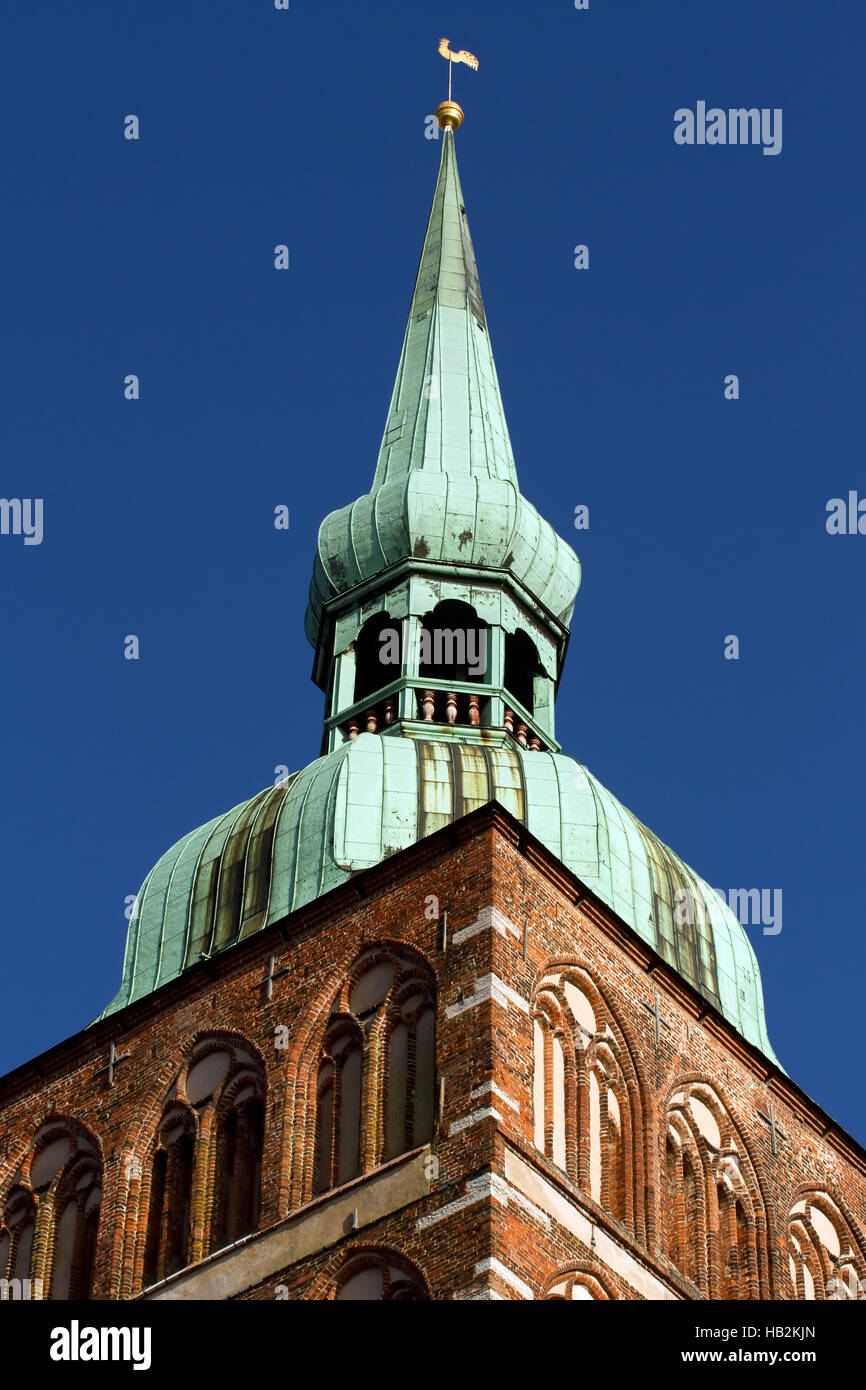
656,1175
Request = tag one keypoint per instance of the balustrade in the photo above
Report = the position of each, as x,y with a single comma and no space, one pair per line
455,707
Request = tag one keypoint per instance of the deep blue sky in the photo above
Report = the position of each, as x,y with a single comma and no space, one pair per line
707,517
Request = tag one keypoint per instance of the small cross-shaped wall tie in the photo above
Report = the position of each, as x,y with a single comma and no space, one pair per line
776,1130
113,1058
660,1022
271,976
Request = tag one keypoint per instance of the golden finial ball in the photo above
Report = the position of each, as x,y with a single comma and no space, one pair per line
449,115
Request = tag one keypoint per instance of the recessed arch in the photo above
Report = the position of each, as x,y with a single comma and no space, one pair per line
371,1078
714,1220
379,1275
201,1173
582,1281
49,1217
826,1250
587,1098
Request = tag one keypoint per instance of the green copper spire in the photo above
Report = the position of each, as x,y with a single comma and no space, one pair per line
445,489
446,412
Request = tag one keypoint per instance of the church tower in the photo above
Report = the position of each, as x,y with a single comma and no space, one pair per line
435,1017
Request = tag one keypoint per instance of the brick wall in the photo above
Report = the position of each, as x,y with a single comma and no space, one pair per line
664,1182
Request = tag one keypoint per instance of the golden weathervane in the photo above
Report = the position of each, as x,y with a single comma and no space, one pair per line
448,113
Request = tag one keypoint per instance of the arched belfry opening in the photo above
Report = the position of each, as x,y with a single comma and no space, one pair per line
457,664
453,647
453,644
522,669
378,655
